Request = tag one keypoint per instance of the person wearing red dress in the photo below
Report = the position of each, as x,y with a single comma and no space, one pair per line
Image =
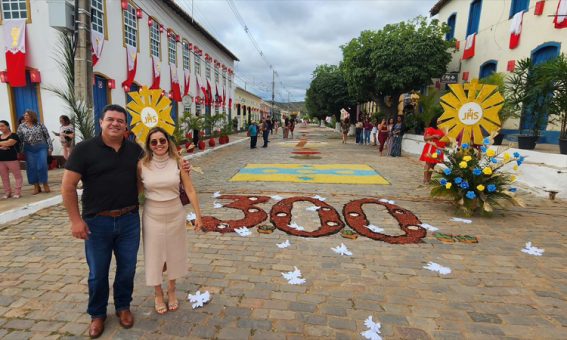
430,154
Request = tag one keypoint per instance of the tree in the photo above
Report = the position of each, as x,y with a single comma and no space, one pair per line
327,93
396,59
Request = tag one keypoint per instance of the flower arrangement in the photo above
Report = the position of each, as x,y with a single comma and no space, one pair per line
475,179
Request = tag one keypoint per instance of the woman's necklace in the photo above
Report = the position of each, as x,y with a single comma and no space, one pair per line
160,162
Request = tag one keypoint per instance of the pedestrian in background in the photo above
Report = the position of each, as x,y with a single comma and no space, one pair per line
429,155
367,131
265,128
66,135
397,133
163,219
291,126
382,135
358,127
253,132
286,127
37,145
9,145
374,134
390,138
345,126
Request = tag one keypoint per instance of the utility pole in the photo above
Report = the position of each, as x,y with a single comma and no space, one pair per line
273,89
83,59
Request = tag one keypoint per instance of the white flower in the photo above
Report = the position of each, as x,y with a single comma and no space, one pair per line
294,277
283,244
313,208
277,198
191,217
217,205
428,227
531,250
243,231
373,330
374,228
217,194
295,226
199,299
317,197
387,201
458,219
342,250
435,267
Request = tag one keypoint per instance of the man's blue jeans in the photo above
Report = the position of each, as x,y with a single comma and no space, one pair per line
36,163
367,137
120,235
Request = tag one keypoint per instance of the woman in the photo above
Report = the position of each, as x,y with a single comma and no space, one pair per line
37,145
66,135
358,131
389,140
345,126
374,133
9,144
291,126
382,135
367,131
397,132
432,138
163,218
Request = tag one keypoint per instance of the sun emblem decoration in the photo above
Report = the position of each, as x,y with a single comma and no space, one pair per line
471,112
149,108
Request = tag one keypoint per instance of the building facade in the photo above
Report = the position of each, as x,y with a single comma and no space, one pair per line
491,36
136,43
248,107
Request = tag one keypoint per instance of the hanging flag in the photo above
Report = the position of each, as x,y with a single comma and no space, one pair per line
175,90
97,43
186,82
223,96
560,19
516,29
229,103
156,79
204,91
209,99
539,7
469,46
217,97
132,63
15,46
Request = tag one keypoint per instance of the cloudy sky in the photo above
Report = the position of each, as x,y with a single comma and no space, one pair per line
294,35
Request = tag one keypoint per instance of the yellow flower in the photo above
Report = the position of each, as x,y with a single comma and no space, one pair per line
490,153
487,171
506,157
515,167
467,158
434,155
448,185
513,179
463,165
480,187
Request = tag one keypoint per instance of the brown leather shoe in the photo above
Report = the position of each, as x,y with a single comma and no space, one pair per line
126,318
96,328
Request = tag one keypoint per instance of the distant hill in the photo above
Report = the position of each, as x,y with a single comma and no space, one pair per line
292,106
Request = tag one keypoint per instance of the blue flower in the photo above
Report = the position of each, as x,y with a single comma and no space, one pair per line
471,195
512,189
516,154
483,148
465,146
447,171
494,160
519,162
458,180
491,188
486,140
477,172
465,185
439,152
443,181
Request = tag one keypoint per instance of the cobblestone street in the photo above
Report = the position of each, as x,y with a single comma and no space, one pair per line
494,289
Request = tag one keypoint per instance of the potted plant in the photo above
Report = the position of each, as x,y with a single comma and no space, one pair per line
225,131
528,94
555,73
499,79
213,124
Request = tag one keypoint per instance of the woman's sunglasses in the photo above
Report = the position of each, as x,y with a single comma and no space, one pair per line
154,142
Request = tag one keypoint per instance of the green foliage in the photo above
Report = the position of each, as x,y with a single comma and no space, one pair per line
81,115
499,79
327,93
215,122
554,73
475,180
430,106
398,58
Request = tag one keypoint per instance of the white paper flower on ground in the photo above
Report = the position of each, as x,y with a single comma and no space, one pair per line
436,267
296,226
277,198
294,277
374,228
191,217
317,197
199,299
428,227
458,219
373,330
283,244
217,205
531,250
387,201
313,208
243,231
342,250
217,194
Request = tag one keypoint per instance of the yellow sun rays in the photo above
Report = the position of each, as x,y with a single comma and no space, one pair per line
149,108
471,111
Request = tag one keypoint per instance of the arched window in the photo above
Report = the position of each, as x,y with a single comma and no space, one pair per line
474,17
545,52
451,22
487,69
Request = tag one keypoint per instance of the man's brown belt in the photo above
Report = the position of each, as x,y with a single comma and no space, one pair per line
117,212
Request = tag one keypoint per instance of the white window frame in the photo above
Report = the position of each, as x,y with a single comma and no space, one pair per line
98,17
172,49
186,56
197,62
155,40
208,69
130,27
12,7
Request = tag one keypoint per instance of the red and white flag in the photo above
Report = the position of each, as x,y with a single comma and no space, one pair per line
469,46
209,94
15,46
175,89
156,72
223,96
560,19
97,44
516,29
186,82
131,65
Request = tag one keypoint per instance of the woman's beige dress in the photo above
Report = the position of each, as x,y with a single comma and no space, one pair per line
163,223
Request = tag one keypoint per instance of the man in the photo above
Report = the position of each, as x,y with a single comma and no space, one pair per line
253,132
265,132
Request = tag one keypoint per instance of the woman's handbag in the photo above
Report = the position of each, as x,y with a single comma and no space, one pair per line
183,195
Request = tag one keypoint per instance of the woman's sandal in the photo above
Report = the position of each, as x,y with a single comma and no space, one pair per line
172,306
160,307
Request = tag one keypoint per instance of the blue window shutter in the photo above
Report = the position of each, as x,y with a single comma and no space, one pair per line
451,23
474,17
519,6
487,69
544,54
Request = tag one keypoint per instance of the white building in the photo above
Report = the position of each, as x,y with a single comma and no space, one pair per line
152,28
489,24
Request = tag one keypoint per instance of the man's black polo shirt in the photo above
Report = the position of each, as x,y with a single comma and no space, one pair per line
109,177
